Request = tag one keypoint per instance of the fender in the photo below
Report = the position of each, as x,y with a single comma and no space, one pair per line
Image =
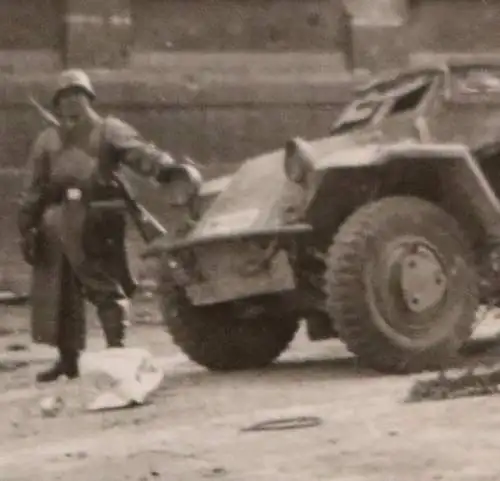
456,166
165,245
212,188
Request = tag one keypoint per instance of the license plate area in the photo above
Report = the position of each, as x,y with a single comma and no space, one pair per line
221,280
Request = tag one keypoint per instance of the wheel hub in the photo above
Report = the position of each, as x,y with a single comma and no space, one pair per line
422,279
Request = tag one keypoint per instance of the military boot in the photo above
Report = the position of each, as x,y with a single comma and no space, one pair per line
66,365
113,318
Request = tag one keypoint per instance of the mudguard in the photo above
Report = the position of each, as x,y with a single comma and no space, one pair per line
165,245
455,163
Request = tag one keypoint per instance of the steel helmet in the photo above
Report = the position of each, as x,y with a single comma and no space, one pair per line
73,79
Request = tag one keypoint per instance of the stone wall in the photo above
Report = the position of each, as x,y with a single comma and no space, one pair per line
311,36
392,33
31,36
468,26
229,25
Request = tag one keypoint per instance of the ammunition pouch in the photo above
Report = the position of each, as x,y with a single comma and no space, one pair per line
30,246
104,228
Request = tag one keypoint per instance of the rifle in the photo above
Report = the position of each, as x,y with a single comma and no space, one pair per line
146,223
148,226
48,116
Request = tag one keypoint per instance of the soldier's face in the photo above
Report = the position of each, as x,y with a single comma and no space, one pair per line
73,112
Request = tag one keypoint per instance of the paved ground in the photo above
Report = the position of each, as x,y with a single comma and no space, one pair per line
192,429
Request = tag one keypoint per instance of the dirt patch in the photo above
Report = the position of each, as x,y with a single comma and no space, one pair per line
194,426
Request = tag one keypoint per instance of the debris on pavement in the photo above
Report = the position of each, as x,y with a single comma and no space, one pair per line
51,406
118,378
10,365
216,471
16,347
469,382
281,424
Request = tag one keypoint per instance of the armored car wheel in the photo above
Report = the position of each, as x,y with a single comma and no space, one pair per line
229,336
401,285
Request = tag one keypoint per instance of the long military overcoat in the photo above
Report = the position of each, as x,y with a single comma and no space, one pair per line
73,239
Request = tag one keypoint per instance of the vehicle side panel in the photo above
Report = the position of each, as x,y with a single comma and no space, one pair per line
455,182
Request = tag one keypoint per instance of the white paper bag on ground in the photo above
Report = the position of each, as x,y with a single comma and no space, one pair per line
120,377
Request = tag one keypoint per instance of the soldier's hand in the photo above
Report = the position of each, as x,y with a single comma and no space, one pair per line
166,161
163,167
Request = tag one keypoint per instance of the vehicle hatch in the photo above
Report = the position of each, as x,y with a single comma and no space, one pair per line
391,108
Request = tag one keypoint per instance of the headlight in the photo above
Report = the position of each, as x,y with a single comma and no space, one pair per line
184,185
299,160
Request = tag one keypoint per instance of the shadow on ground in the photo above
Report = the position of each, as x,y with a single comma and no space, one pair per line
307,370
284,372
480,347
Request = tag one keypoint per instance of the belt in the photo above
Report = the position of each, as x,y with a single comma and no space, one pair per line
112,204
104,204
74,194
109,204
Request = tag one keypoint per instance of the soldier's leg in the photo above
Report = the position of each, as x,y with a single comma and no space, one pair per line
113,314
71,329
105,292
66,365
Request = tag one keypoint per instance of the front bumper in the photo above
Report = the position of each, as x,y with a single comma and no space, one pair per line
216,269
165,245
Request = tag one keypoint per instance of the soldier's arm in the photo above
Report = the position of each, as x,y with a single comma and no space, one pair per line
31,204
134,151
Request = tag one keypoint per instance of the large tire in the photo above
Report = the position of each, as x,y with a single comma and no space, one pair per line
218,339
365,267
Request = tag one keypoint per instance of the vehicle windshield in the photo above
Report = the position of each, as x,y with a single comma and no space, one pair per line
389,97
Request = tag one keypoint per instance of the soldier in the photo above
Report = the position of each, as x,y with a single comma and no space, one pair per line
72,222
